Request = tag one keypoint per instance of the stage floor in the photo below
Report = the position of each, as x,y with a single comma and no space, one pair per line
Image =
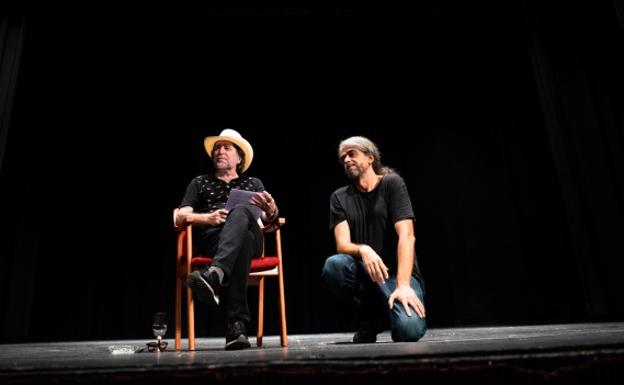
544,350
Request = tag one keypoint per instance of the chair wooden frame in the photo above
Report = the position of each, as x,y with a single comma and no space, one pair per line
184,257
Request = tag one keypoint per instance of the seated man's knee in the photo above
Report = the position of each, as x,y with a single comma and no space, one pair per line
409,329
244,211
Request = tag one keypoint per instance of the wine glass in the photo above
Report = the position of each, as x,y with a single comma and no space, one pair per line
159,326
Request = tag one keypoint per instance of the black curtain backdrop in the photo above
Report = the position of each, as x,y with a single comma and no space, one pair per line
15,296
578,67
504,119
11,38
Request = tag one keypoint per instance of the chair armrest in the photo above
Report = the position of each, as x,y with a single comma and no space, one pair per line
272,226
187,221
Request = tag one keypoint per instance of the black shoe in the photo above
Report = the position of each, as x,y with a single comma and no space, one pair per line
205,286
365,335
236,337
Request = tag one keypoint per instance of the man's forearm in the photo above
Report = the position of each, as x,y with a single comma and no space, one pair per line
350,248
405,255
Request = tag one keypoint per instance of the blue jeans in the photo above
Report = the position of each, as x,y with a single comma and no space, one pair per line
347,278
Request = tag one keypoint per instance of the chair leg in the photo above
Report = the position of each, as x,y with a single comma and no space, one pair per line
282,301
260,332
190,308
191,318
178,314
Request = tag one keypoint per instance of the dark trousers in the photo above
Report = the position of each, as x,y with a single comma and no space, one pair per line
232,248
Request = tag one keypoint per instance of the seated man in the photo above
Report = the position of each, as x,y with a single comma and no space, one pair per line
231,238
373,225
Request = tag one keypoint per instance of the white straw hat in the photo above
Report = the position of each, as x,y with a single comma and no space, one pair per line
232,136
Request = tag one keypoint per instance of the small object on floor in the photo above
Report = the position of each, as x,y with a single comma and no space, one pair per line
123,349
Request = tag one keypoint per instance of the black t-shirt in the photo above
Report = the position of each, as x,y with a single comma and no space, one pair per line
371,217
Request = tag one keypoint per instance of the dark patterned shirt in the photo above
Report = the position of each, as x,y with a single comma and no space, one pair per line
207,193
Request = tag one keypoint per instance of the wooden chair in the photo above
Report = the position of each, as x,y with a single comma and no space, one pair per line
261,267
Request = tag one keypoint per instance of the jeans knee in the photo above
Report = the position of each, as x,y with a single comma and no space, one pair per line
331,269
335,271
409,329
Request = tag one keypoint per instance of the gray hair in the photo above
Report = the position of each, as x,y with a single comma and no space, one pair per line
241,154
369,148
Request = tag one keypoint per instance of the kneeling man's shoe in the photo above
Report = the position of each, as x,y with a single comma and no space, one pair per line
365,335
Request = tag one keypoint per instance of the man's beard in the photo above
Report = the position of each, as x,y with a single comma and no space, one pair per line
222,166
353,172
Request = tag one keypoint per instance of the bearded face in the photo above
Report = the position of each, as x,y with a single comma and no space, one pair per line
353,170
355,162
225,156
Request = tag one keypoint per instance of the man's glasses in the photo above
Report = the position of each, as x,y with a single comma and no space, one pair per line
153,346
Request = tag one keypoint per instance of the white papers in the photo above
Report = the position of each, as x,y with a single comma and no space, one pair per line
242,198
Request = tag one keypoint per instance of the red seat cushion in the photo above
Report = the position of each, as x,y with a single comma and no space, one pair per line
257,264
